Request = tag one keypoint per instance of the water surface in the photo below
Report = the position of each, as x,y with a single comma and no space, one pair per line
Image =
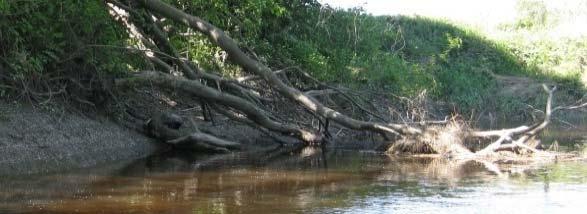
311,181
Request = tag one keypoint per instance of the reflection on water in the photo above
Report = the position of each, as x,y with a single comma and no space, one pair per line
310,181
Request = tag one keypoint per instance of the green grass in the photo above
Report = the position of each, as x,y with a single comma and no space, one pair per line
402,55
406,55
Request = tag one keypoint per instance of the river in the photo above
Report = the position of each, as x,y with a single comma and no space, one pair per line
310,181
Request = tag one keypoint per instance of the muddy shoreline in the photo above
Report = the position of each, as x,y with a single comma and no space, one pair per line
41,140
34,140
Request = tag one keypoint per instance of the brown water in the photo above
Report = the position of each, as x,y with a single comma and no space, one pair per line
312,181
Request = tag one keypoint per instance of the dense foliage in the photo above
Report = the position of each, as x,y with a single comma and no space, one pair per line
38,36
41,40
44,44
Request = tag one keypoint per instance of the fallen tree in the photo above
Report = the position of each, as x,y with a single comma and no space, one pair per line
240,101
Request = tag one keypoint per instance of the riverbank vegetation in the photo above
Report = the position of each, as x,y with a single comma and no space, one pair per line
245,59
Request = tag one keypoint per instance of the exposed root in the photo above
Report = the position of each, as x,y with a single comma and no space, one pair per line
166,127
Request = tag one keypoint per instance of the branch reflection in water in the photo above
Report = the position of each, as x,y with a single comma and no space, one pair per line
307,180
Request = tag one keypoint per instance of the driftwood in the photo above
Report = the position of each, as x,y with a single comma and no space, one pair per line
517,137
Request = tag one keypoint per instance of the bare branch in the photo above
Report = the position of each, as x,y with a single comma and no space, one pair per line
219,37
194,87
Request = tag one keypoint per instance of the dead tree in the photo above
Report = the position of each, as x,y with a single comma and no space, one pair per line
242,103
